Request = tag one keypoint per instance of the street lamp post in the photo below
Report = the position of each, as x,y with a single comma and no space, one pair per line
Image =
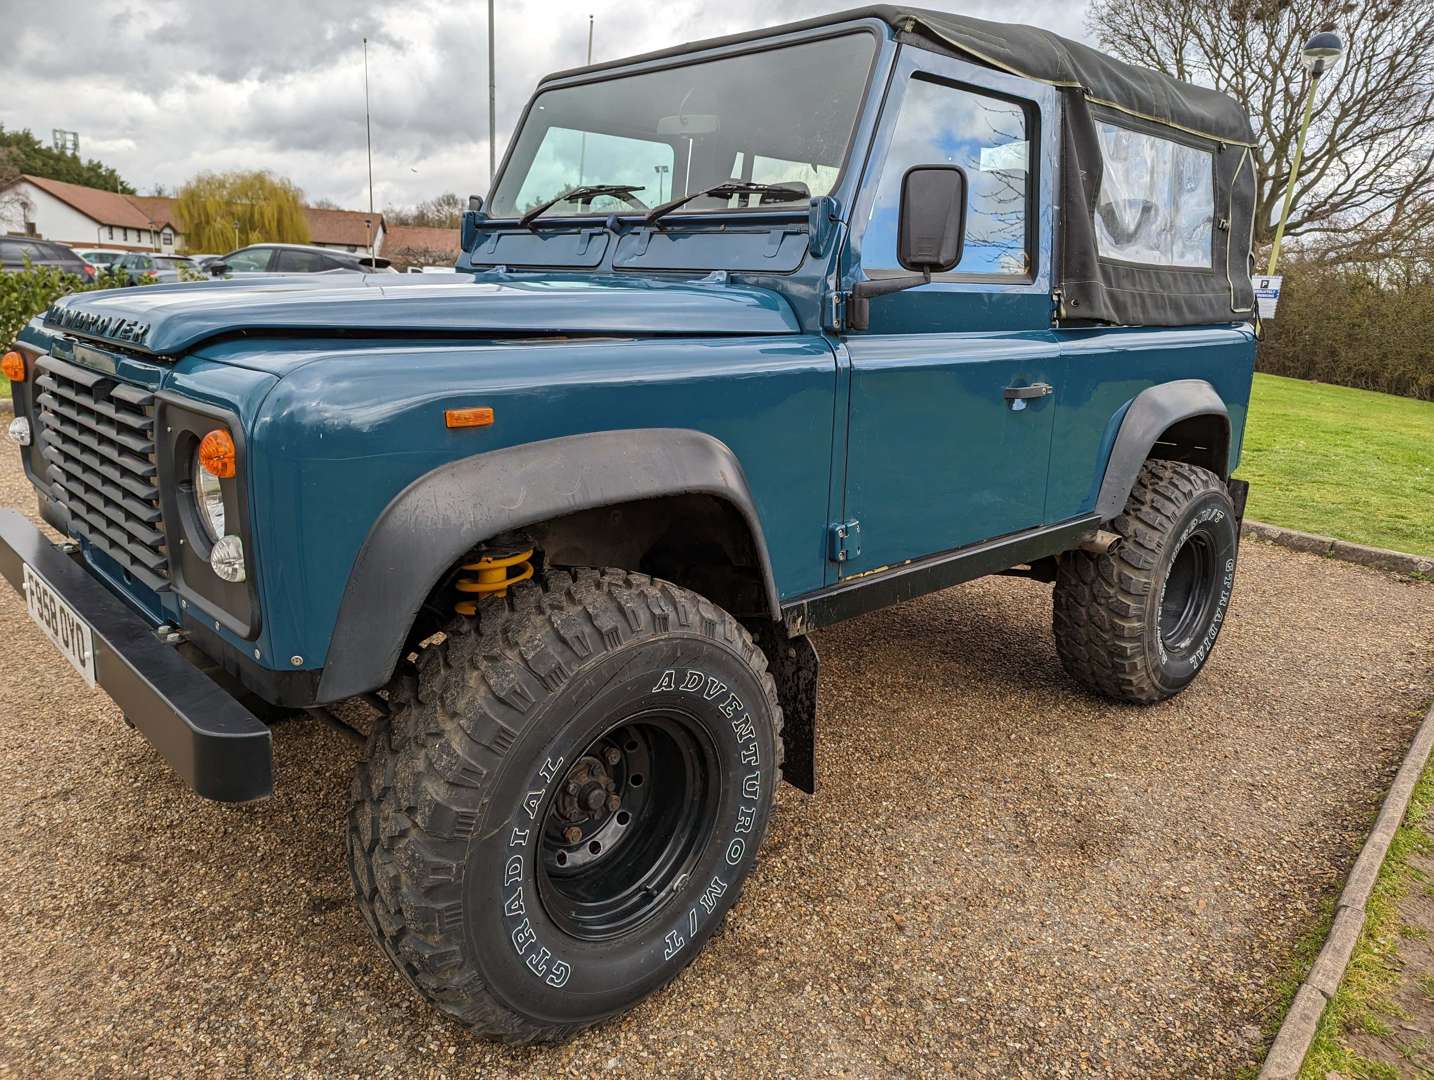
1321,53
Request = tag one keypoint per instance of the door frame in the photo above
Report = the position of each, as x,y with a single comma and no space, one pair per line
913,61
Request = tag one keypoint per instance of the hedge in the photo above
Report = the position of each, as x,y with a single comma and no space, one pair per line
1346,327
25,294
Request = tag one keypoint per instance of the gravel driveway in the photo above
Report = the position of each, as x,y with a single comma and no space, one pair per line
1000,876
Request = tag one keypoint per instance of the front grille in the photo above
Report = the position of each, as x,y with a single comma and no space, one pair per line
97,438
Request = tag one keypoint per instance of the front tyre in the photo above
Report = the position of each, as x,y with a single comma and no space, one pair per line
566,801
1137,624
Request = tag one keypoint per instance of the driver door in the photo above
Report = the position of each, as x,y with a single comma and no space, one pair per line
940,455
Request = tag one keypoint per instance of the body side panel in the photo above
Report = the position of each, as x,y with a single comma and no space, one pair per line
353,426
1105,368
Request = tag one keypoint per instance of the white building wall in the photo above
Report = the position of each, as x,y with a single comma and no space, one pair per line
55,219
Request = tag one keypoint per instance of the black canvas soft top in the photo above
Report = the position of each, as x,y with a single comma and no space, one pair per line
1041,55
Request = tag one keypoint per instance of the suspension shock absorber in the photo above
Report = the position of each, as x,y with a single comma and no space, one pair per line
494,570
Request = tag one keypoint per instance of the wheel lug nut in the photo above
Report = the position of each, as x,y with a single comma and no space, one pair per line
572,787
613,802
572,834
612,756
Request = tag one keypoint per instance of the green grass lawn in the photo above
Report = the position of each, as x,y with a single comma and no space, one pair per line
1347,463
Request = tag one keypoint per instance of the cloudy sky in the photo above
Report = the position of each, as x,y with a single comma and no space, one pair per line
162,89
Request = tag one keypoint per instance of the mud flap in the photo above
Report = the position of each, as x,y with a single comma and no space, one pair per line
793,663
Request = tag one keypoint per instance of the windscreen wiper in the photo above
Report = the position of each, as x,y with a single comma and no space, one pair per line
584,193
726,190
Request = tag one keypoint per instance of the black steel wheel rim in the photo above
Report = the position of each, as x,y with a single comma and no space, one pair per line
1189,594
625,825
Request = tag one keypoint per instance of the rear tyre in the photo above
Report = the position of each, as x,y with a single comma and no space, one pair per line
1137,624
565,802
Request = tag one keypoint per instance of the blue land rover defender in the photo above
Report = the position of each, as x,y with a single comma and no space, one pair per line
750,336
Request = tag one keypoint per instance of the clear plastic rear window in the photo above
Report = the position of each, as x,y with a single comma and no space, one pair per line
1157,200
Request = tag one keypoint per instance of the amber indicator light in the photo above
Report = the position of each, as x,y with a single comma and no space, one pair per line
480,417
13,365
216,453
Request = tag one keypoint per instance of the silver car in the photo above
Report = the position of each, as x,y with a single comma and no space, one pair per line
142,268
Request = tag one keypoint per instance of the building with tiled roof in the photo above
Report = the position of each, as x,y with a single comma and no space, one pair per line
347,230
420,245
92,217
83,216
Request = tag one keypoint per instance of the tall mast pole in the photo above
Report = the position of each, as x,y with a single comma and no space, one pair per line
368,128
492,107
583,144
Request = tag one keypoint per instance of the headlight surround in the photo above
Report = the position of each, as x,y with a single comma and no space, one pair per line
200,454
209,500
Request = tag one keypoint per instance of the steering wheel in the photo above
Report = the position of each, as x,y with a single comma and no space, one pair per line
632,200
1113,215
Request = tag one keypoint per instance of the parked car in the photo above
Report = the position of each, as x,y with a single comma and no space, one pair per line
927,298
203,260
143,268
101,258
16,251
295,259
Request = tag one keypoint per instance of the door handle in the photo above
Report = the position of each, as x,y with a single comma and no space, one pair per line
1019,395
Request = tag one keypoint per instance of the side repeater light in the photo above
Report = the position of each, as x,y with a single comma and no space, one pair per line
479,417
217,454
13,364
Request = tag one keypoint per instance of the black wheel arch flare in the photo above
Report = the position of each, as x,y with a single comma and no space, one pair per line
429,525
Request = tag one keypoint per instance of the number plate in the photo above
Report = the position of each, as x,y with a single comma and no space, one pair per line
70,633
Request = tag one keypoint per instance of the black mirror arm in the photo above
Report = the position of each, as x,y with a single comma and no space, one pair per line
859,307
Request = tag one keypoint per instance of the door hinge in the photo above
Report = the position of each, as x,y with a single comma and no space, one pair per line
845,541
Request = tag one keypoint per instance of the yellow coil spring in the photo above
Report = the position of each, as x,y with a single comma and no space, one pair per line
493,577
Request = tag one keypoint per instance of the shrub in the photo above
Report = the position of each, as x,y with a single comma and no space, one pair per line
1347,326
25,294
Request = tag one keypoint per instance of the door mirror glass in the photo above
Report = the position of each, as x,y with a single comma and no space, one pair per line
932,224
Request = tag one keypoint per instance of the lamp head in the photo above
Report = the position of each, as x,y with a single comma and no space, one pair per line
1321,52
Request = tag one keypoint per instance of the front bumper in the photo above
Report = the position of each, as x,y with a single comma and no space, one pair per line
216,745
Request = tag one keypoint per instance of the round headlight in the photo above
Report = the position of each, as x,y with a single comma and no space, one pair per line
209,498
226,558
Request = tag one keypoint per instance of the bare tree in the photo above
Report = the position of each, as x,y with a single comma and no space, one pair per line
419,255
441,212
1367,182
14,207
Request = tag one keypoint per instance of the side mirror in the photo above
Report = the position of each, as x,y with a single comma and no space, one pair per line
931,227
930,233
468,234
218,269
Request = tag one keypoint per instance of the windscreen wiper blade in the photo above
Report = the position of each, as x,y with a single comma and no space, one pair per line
585,193
726,190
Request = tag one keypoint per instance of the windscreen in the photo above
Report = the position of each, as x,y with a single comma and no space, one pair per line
1157,200
778,116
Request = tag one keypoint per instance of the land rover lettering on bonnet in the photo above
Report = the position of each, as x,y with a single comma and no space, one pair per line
750,336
